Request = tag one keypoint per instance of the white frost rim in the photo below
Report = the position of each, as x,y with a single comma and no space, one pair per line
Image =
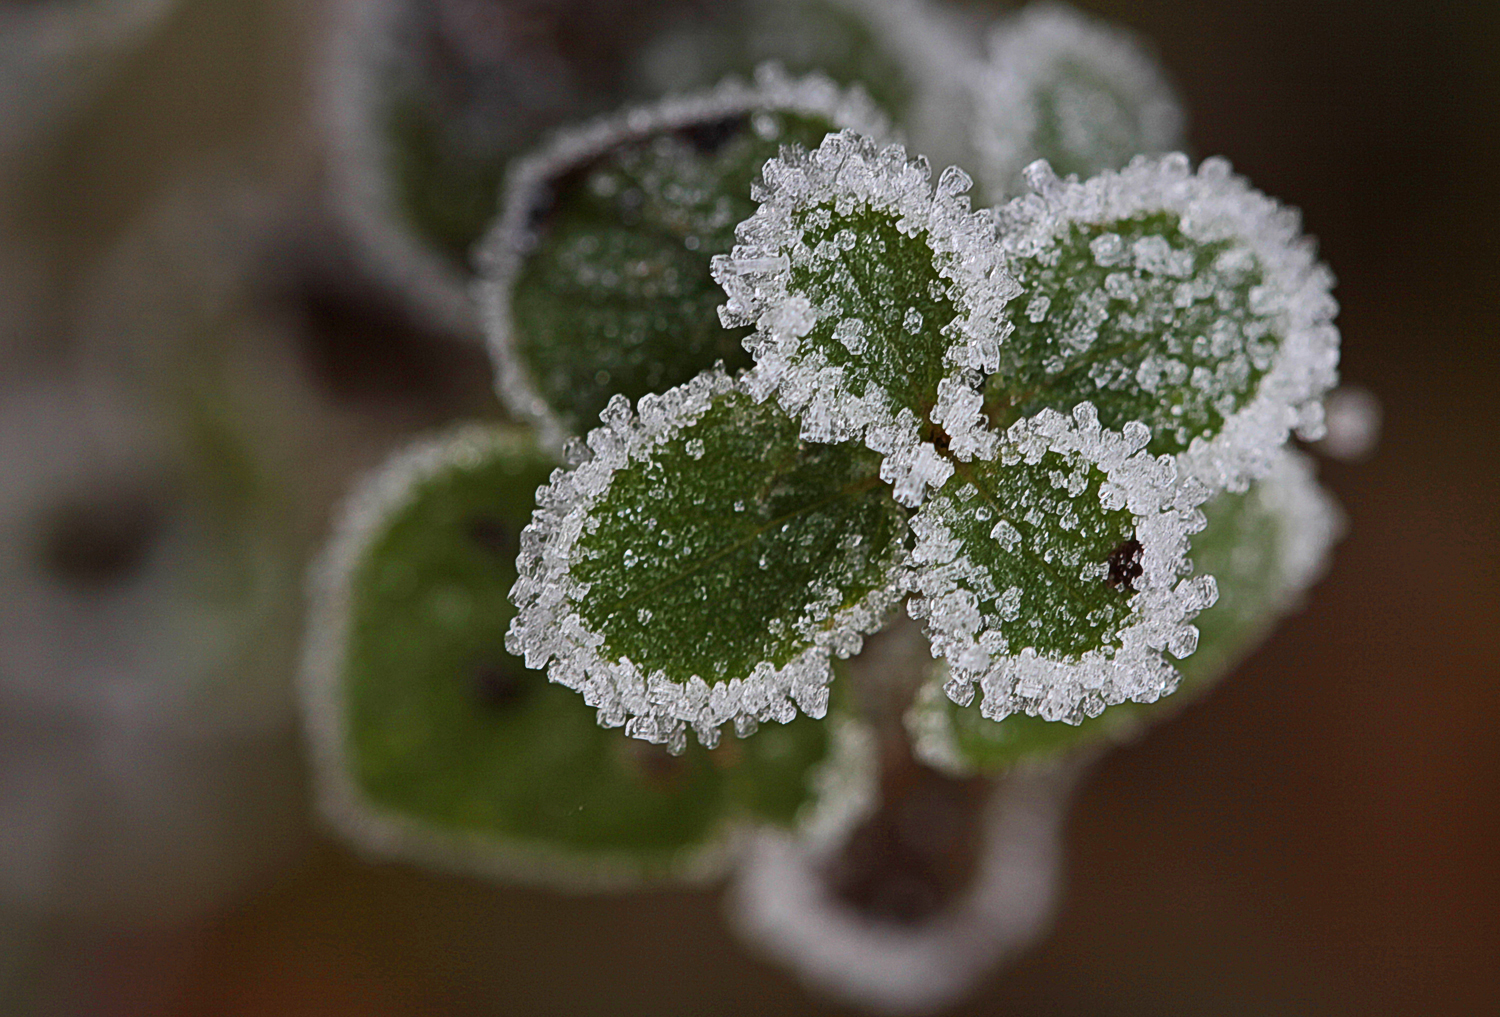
549,631
501,254
374,829
848,170
1309,524
1214,204
358,54
781,904
1026,50
1165,507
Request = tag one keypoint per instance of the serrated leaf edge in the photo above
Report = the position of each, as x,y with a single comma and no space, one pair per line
1311,523
846,169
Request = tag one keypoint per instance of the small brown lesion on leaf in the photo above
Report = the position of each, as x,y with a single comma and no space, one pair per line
1125,565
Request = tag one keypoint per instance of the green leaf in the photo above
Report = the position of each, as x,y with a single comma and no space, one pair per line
1187,302
436,745
1264,547
868,291
428,110
848,40
1049,575
598,277
1081,93
705,565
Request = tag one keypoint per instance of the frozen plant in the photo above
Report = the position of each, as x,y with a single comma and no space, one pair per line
776,384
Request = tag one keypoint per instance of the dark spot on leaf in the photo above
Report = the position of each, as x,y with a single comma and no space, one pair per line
499,685
1125,565
940,440
494,535
103,544
707,138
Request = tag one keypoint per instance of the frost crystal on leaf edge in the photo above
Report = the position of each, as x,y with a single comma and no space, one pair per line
1165,507
502,253
548,631
847,171
1213,205
1311,522
377,829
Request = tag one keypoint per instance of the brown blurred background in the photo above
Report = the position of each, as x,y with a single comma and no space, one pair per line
1321,836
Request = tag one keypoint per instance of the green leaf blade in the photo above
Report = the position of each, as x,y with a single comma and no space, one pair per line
706,564
1049,576
1186,302
1264,548
869,291
436,745
597,278
1082,94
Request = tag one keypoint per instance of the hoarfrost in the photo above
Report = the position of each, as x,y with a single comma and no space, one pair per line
550,629
782,904
766,278
1292,303
1066,87
1352,418
502,255
952,584
1307,523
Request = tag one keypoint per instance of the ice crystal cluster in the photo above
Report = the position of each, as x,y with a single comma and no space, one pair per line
779,382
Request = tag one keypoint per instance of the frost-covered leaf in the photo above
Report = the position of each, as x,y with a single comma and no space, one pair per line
1080,93
847,40
869,292
910,55
598,275
436,745
428,101
1185,301
705,565
1264,548
787,904
1050,576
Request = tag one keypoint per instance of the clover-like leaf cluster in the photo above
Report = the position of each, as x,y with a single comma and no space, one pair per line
800,382
1011,416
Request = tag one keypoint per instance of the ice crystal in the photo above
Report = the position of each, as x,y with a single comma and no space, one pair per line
1053,576
1264,548
742,555
851,232
596,276
1064,87
1186,301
